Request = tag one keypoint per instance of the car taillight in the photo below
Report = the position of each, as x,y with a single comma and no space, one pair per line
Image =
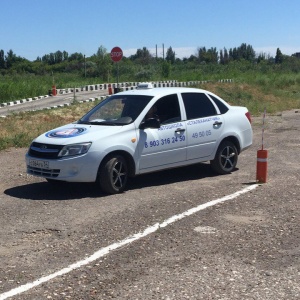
248,116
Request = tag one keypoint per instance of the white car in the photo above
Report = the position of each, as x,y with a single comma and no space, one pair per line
139,131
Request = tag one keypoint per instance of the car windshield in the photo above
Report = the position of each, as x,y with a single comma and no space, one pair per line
116,110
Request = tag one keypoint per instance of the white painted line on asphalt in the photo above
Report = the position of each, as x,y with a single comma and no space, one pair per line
104,251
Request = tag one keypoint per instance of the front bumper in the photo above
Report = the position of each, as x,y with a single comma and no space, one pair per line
83,168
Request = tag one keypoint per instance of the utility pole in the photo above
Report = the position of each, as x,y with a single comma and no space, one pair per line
84,66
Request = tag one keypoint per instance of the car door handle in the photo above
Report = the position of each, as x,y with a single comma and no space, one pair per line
217,123
179,130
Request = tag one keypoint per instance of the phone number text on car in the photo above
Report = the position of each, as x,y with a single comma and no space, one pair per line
162,142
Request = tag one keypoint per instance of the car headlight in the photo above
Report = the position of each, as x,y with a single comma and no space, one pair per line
75,149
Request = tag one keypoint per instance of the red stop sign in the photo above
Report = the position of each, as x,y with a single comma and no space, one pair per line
116,54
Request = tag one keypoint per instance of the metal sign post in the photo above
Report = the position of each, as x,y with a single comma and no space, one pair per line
116,55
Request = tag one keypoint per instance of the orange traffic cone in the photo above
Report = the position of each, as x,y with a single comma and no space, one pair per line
262,166
109,89
54,91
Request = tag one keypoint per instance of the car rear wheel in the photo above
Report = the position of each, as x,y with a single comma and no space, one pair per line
226,158
113,175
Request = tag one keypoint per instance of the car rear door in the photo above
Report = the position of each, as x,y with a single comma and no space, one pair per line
204,125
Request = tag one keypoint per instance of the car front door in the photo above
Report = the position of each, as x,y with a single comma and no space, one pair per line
165,146
204,125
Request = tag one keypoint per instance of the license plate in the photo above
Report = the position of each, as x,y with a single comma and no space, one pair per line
43,164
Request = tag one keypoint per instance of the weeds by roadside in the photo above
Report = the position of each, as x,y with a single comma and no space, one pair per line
19,130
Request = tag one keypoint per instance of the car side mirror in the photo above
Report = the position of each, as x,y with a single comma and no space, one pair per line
150,123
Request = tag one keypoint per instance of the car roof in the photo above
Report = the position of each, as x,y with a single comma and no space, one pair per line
163,91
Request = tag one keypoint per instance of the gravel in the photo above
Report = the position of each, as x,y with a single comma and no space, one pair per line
245,248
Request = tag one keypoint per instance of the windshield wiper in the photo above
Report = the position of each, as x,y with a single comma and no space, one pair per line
114,122
102,123
83,122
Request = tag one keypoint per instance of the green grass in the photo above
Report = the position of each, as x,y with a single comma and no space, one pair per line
257,97
269,77
16,87
257,87
20,129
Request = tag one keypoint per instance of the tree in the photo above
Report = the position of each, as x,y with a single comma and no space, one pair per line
58,56
75,56
170,56
65,56
51,59
142,56
261,57
192,58
212,55
208,56
2,59
278,57
242,52
103,62
201,54
250,53
101,52
221,57
166,68
226,56
10,58
45,58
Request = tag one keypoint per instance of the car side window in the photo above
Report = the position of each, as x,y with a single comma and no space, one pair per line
167,109
222,107
198,105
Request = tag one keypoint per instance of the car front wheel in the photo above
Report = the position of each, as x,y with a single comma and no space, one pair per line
226,158
113,175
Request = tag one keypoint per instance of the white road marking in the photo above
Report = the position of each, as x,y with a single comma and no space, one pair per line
104,251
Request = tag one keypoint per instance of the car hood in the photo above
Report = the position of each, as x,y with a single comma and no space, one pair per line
77,133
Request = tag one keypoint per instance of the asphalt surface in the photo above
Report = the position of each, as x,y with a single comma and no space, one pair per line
43,102
244,248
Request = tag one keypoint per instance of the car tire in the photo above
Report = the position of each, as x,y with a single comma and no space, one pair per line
226,158
113,175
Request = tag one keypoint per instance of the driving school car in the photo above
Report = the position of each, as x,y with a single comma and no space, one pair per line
139,131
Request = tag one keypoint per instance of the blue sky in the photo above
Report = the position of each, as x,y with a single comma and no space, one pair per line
32,28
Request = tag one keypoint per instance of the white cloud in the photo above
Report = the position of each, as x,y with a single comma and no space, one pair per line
185,52
129,52
272,50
